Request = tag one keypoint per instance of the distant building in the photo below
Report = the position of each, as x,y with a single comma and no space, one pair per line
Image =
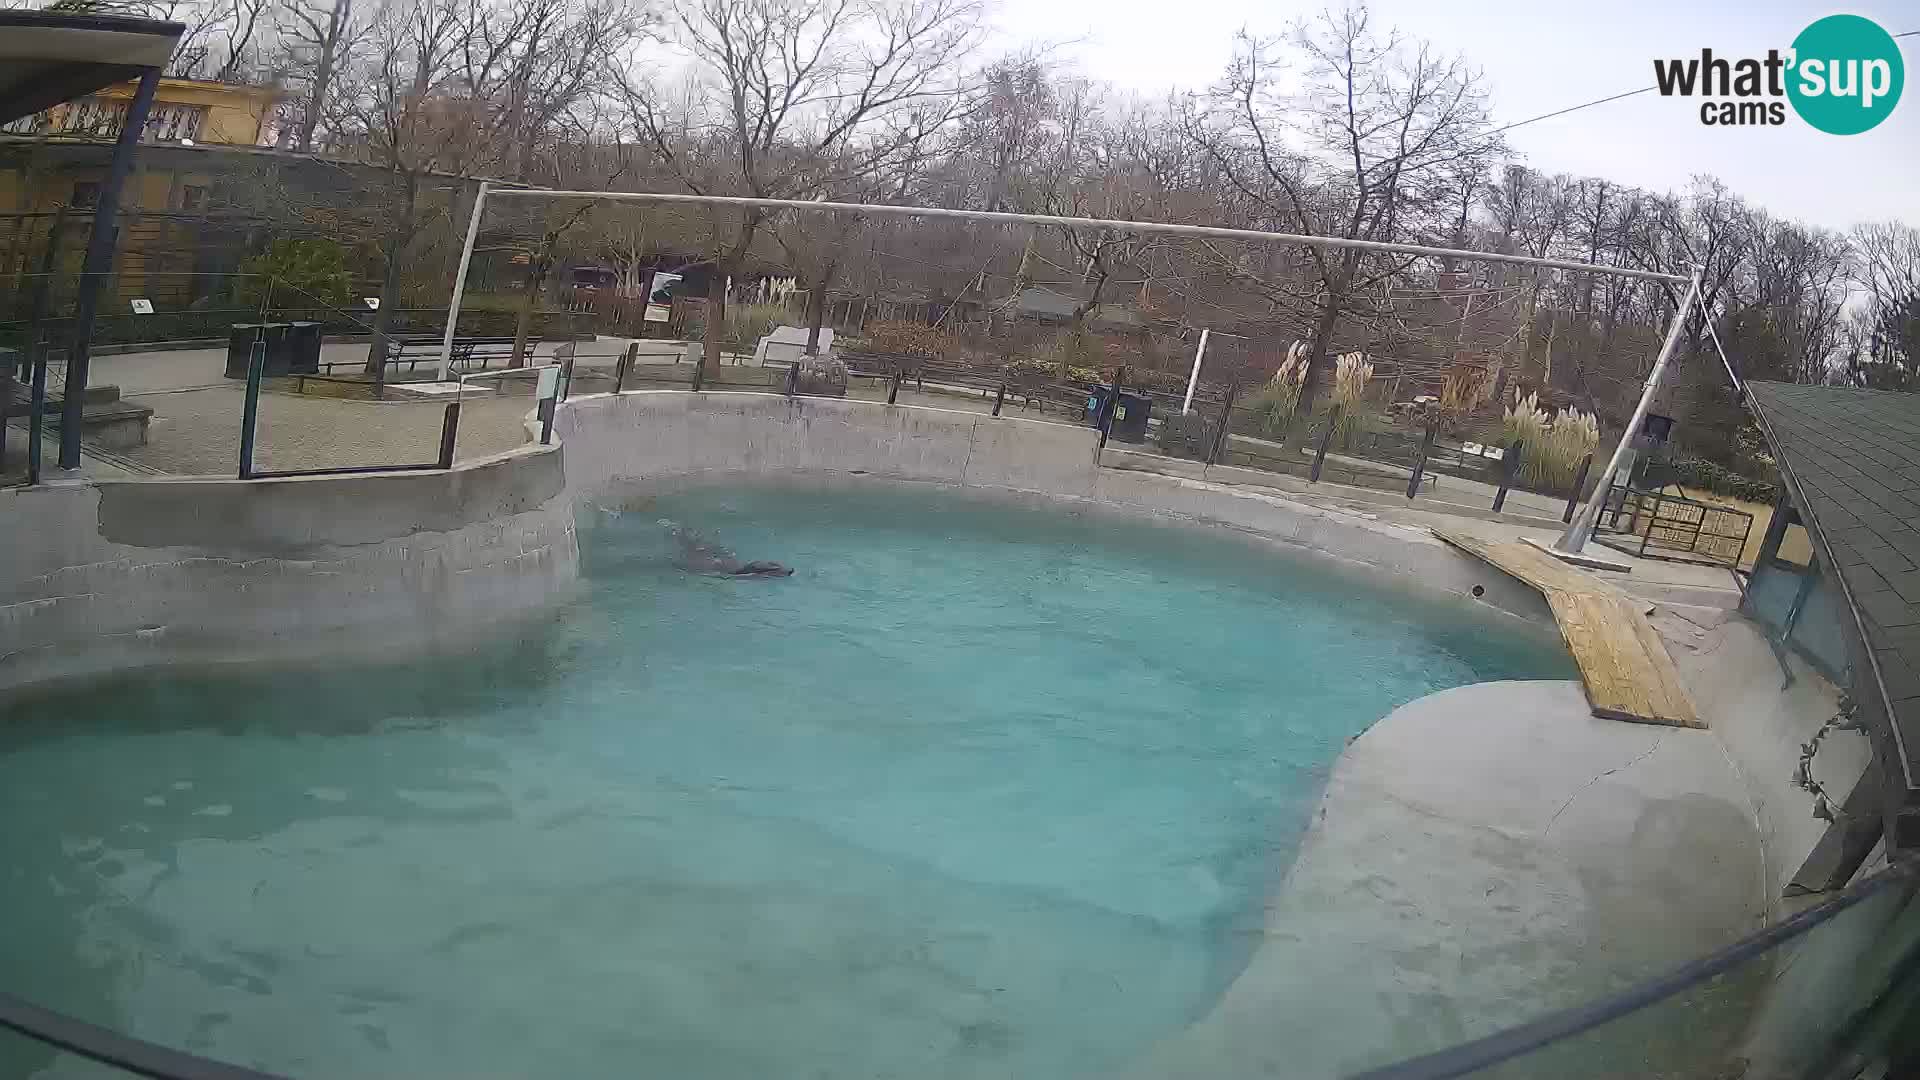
184,110
172,227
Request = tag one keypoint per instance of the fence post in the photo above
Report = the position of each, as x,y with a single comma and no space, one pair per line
35,425
1420,464
250,408
1224,430
548,390
793,378
999,399
449,433
1326,439
1509,465
699,371
893,386
1113,406
1579,485
626,363
1652,520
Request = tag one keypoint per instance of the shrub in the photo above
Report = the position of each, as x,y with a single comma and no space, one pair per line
1556,461
1466,387
1550,449
907,338
1350,375
1273,405
1167,382
295,273
748,323
1071,349
1703,475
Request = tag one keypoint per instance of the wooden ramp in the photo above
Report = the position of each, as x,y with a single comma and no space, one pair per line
1624,665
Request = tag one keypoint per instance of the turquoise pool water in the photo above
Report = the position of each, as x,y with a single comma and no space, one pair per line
978,791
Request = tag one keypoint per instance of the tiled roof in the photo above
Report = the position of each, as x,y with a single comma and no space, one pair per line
1852,460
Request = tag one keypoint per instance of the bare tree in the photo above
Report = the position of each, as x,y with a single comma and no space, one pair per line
792,102
1886,330
417,106
1375,147
317,39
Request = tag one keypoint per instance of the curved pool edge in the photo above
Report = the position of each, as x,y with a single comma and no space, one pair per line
103,576
648,442
1482,856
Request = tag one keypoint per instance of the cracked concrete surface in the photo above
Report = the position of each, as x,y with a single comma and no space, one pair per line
1483,856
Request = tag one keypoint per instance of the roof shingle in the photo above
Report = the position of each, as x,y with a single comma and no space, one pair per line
1852,460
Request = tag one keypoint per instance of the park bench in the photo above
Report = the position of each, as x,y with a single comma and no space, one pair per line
469,353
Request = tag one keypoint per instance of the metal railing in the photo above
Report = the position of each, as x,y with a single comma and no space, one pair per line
1866,1020
1656,525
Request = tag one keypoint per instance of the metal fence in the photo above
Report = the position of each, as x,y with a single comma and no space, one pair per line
1656,525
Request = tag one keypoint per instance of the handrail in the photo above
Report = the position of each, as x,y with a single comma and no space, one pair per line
1470,1057
110,1047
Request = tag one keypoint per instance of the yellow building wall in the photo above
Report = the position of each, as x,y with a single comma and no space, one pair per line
236,115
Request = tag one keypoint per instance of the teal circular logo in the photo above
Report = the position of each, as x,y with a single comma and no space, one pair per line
1847,74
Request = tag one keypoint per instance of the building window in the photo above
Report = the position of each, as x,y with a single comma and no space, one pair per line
172,123
102,118
193,197
86,195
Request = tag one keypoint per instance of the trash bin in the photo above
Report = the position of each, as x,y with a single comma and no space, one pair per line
1129,412
240,341
303,349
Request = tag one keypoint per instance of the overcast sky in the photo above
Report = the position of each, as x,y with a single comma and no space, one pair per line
1542,55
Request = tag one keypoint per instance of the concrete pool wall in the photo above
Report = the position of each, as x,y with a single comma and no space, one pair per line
643,441
99,576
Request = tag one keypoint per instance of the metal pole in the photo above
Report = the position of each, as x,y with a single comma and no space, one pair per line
1223,432
36,343
449,433
1420,466
1326,438
999,399
1193,380
1575,538
626,364
1509,465
1103,224
250,407
37,423
98,263
1579,485
1113,406
893,386
460,282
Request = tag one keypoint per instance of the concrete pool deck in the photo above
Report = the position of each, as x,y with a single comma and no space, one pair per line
1445,892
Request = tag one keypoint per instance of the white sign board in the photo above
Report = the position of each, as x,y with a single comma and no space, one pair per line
372,302
142,306
549,383
658,313
787,344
